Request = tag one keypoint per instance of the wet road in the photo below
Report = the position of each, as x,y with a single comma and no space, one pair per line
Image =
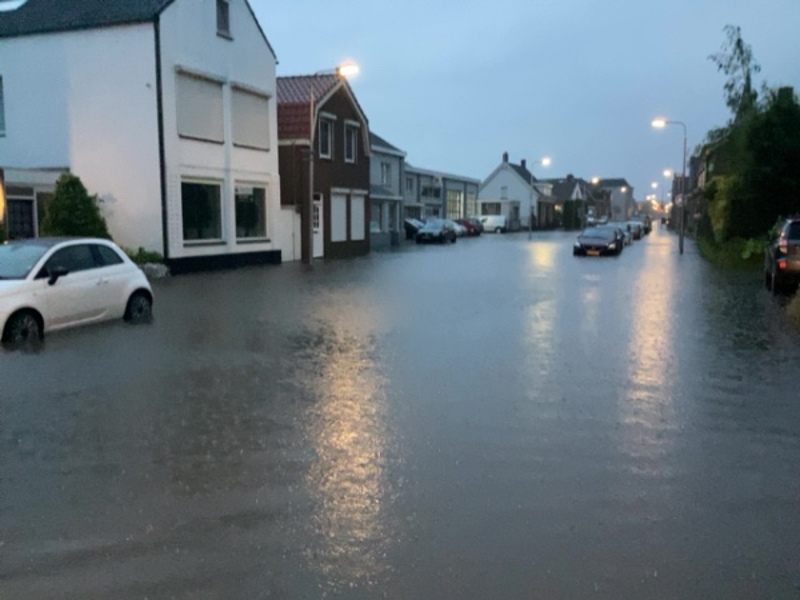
494,419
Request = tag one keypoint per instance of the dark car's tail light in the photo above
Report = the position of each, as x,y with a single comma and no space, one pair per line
781,264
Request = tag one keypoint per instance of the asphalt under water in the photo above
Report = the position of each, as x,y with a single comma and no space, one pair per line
494,419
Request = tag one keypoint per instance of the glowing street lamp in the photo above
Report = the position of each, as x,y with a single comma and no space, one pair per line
545,161
660,123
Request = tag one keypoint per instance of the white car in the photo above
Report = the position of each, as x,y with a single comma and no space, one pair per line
461,231
47,284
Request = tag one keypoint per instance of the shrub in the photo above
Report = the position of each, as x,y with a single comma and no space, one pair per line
73,212
793,310
142,256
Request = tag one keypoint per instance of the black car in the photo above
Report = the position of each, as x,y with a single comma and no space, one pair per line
437,230
602,240
782,258
411,227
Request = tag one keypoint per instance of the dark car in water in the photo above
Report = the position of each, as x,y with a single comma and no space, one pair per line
411,227
437,230
602,240
782,258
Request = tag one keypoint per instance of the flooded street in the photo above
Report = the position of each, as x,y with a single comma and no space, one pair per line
493,419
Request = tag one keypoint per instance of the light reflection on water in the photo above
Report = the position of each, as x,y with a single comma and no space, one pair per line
647,404
347,478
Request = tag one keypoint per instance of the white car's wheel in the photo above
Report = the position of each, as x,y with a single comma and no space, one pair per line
22,327
140,308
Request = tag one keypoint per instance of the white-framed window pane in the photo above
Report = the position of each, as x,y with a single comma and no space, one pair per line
386,173
357,218
325,138
201,205
376,218
394,208
251,212
250,120
338,218
223,18
200,113
409,184
350,144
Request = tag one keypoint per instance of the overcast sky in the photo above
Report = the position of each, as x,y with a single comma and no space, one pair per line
455,83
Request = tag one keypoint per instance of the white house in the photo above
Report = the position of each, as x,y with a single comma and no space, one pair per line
387,164
164,108
621,193
513,191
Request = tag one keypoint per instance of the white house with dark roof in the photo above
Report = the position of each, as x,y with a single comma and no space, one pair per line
621,196
513,191
164,108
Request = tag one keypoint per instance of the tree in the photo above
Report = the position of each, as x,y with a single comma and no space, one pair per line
736,60
73,212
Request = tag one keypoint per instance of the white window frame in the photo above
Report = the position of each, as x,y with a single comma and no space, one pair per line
386,173
219,183
327,151
242,186
247,133
224,19
351,130
200,127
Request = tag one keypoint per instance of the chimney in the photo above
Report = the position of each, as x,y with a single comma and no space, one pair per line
505,157
522,163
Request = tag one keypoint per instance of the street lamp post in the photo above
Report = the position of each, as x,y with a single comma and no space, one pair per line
345,70
660,123
545,161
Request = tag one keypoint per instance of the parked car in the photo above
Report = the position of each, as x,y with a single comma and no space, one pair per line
476,223
601,240
47,284
472,226
461,231
411,227
437,230
635,227
495,223
627,236
645,222
782,258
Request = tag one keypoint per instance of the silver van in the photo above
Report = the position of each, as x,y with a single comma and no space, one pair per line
495,223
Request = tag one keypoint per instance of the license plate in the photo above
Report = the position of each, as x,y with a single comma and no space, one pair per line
593,252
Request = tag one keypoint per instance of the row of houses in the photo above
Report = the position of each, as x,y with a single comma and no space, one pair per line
172,113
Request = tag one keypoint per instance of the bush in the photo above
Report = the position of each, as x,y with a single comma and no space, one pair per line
73,212
735,253
793,310
142,256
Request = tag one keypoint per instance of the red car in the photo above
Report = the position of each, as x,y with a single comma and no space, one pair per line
473,226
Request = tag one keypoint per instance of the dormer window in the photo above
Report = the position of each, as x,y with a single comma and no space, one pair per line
223,19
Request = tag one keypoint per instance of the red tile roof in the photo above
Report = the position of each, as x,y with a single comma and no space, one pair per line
294,95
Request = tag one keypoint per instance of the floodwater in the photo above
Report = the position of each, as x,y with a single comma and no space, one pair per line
494,419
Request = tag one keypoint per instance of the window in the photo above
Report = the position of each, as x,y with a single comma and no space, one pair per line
504,192
72,258
386,173
251,212
105,256
325,138
250,119
472,204
199,108
350,143
2,111
376,218
202,215
223,19
491,208
393,210
409,184
454,204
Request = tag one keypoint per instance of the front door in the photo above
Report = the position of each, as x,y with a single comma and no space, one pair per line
318,216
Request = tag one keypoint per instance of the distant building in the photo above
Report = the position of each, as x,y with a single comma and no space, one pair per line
428,193
387,167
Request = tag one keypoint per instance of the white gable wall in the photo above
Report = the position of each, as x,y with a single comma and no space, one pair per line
86,101
516,190
190,43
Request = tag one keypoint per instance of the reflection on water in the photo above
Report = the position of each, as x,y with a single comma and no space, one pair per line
646,404
348,483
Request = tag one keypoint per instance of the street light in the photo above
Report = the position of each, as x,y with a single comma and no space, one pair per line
660,123
545,161
344,70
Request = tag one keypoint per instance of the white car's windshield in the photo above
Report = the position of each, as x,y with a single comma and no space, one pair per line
17,259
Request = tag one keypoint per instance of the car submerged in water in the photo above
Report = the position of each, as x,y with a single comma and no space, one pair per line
437,230
601,240
47,284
